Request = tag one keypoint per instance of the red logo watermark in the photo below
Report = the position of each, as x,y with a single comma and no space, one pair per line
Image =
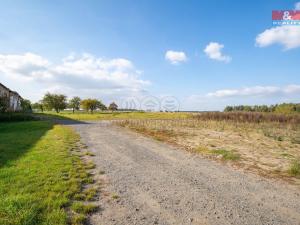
286,17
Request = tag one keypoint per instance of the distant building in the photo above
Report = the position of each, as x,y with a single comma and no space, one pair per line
14,98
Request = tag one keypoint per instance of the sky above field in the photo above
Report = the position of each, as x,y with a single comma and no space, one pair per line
206,54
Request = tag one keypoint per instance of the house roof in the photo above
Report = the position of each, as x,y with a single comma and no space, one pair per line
10,91
4,86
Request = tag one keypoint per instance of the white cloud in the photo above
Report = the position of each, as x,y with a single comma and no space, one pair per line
27,66
297,6
84,75
256,91
257,95
213,51
288,36
175,57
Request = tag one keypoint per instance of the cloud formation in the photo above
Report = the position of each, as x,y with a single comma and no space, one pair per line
214,51
175,57
256,95
288,36
297,6
256,91
85,74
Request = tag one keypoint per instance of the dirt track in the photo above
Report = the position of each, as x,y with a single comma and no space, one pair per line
147,182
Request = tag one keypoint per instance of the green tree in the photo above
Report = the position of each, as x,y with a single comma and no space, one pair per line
74,103
286,108
228,109
101,106
247,108
57,102
113,106
90,104
38,106
26,105
4,103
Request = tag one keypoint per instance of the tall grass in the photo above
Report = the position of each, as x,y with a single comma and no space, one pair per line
251,117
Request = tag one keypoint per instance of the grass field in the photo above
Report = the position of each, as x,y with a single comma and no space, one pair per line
269,148
40,174
114,115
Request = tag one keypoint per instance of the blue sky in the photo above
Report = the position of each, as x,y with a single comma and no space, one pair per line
116,50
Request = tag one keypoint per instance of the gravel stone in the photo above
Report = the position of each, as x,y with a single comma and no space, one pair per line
171,186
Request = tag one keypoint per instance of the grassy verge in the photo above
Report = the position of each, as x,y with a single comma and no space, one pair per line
39,174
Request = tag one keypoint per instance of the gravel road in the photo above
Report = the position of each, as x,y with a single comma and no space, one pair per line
148,182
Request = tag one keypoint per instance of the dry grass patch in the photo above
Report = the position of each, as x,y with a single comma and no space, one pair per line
266,147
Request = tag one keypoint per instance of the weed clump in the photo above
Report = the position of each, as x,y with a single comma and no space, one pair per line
115,196
226,155
82,208
294,169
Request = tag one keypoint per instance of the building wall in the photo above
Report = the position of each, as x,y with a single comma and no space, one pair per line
14,98
15,101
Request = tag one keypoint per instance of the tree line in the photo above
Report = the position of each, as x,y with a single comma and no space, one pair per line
59,102
278,108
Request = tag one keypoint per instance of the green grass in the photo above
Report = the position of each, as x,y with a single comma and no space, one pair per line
82,208
114,115
90,165
79,219
39,174
294,168
90,194
81,211
87,195
226,154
